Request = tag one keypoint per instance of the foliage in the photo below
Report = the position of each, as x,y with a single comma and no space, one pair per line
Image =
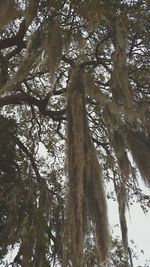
75,116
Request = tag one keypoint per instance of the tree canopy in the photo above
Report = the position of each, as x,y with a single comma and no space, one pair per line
75,121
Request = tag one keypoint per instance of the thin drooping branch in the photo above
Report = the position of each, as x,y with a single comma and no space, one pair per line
39,178
31,158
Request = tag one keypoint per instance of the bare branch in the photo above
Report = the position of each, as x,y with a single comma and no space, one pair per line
23,98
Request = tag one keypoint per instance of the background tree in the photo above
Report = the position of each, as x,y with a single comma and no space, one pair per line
73,81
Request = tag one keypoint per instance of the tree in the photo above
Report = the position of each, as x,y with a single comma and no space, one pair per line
74,81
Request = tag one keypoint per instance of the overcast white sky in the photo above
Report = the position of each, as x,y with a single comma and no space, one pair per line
138,228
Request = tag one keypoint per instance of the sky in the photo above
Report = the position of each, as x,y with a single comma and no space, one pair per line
138,226
138,229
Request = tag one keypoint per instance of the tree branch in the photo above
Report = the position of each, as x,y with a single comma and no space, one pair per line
15,40
22,98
